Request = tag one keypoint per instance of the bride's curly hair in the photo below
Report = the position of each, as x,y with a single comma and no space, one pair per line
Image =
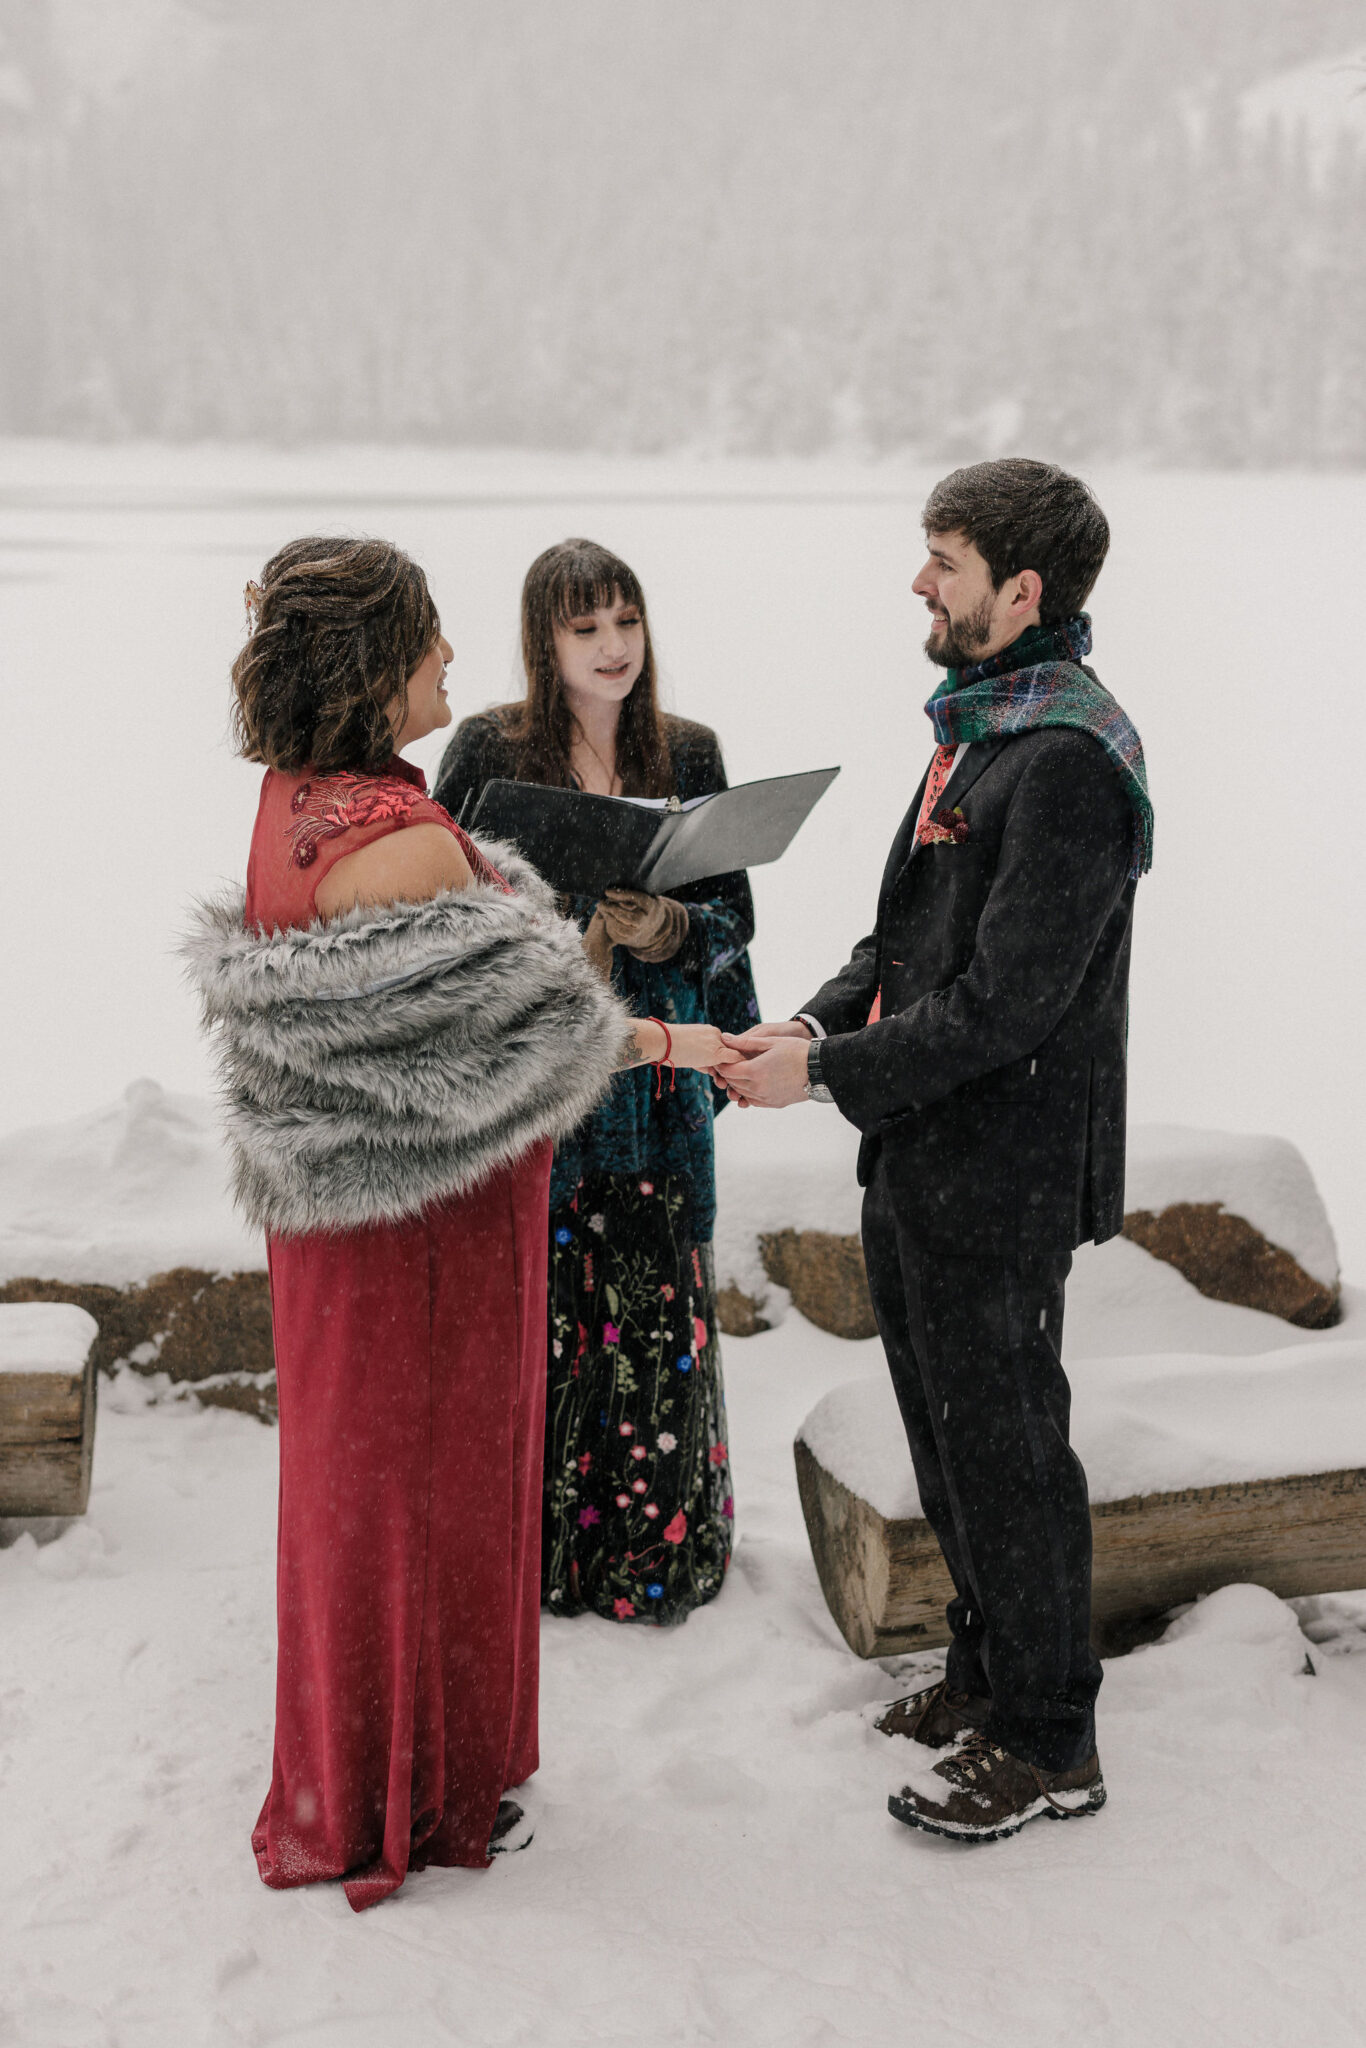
336,629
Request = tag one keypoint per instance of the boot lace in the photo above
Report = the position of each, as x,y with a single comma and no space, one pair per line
974,1759
972,1764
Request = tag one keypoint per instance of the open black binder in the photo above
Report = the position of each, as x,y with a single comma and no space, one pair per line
583,844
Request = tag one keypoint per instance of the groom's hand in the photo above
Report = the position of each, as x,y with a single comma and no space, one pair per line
767,1065
760,1036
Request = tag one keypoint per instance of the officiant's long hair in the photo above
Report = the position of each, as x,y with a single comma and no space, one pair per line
573,578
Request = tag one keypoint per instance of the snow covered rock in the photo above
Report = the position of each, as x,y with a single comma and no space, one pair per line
126,1213
47,1408
787,1222
1239,1216
122,1193
210,1329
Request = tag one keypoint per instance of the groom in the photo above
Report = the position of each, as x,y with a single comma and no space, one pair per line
977,1039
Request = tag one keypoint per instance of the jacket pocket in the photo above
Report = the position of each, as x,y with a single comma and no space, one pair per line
952,1168
1021,1080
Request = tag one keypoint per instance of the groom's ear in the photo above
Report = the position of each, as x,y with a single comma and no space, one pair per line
1027,591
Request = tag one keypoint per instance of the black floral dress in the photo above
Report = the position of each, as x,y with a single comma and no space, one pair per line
638,1508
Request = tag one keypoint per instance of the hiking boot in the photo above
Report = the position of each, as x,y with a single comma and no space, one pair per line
935,1717
512,1829
989,1794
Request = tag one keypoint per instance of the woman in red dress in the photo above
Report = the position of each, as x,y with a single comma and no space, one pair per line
405,1027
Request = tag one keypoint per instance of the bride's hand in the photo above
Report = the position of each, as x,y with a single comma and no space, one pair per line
682,1045
697,1045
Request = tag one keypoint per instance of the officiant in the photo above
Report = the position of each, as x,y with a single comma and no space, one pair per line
638,1509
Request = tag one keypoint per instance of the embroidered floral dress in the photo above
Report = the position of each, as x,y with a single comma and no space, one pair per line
638,1509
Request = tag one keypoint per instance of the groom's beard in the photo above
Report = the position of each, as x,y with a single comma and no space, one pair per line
963,639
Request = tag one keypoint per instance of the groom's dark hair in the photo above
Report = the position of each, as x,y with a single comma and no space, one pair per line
1026,515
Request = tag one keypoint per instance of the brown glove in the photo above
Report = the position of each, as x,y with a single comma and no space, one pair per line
651,927
597,945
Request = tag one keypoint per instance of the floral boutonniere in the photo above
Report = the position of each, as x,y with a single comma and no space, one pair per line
945,827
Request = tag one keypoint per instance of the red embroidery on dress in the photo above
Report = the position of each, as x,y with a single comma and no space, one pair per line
328,804
335,803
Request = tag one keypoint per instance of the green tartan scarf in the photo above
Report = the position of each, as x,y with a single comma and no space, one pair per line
1039,681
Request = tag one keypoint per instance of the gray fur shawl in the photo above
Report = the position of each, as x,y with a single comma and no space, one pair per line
397,1054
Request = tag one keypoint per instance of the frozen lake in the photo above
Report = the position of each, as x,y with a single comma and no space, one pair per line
781,607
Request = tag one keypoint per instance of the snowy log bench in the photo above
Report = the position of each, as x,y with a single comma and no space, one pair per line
1204,1471
47,1408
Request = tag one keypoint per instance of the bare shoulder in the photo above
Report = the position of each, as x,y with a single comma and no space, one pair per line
406,866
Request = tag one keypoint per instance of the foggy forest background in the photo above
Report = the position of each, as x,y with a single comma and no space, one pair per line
758,226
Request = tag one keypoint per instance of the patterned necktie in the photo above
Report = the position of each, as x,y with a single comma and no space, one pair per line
940,769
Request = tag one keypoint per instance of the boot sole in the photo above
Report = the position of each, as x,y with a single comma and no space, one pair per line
912,1817
516,1839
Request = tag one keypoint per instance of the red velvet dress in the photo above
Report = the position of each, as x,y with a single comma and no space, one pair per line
411,1363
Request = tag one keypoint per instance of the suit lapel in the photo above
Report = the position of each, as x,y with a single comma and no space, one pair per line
901,845
975,762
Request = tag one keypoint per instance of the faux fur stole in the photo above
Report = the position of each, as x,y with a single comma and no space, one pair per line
392,1056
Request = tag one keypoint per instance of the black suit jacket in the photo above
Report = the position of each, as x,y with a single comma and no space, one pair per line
993,1085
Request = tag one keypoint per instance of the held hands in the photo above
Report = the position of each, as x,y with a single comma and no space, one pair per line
765,1066
697,1045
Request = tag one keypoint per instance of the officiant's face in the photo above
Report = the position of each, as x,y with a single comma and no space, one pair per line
601,653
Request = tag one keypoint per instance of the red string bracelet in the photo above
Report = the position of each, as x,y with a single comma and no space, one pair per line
667,1061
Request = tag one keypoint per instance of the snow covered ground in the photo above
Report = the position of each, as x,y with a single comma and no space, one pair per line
782,612
714,1862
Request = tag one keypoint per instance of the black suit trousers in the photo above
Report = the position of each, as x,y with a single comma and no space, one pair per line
973,1345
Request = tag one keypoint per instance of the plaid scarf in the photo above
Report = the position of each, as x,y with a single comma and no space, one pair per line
1036,682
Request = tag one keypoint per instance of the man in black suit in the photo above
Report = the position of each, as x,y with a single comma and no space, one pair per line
989,1086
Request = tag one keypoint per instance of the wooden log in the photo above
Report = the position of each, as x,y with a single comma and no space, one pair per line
47,1441
886,1585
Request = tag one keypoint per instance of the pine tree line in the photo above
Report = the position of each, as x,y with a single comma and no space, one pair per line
575,244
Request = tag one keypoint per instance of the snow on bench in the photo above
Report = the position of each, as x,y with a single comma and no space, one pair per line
1205,1469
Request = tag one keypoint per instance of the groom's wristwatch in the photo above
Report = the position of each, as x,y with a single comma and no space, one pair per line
816,1089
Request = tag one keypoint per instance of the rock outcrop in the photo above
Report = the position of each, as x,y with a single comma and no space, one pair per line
825,1275
1236,1214
210,1331
1227,1258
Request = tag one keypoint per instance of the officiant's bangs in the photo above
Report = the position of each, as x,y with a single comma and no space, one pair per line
579,577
